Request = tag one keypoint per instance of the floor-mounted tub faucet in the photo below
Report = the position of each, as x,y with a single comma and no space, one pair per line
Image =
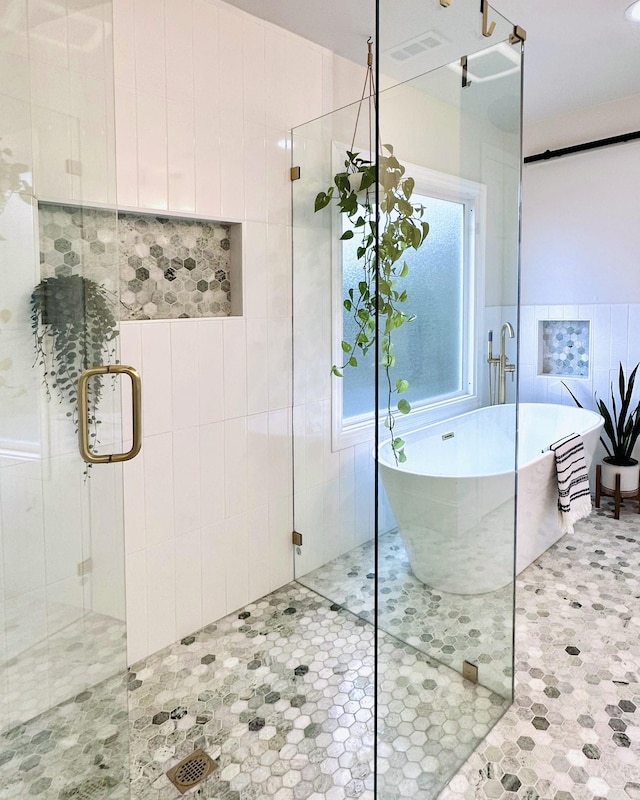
502,362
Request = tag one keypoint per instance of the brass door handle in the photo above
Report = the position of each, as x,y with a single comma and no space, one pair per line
83,412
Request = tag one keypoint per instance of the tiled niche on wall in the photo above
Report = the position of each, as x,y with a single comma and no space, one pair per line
563,347
169,267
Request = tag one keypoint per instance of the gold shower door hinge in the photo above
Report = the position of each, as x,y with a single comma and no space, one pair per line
296,538
294,173
517,35
470,671
85,567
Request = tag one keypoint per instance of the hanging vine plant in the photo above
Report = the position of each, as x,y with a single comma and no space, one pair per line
380,293
74,329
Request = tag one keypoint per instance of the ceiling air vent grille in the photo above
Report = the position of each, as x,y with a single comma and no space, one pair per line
415,47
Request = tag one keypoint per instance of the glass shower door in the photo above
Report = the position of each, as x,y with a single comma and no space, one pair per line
333,416
446,507
418,541
62,629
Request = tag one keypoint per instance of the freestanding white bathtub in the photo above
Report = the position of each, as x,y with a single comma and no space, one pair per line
454,497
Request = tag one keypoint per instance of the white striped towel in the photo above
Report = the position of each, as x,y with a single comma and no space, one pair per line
574,495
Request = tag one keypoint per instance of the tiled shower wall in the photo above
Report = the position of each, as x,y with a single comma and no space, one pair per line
173,268
205,99
168,268
578,263
614,337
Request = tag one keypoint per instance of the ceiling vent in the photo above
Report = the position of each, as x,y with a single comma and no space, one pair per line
487,65
416,47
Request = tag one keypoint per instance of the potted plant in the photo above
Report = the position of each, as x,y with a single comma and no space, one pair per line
621,429
74,329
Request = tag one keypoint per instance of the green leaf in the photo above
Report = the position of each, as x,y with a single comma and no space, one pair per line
335,371
348,203
401,385
353,361
404,406
341,181
322,200
346,347
348,234
407,187
402,456
368,177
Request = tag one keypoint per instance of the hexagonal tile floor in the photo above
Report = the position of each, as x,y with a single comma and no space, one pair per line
450,628
48,669
281,696
573,732
76,751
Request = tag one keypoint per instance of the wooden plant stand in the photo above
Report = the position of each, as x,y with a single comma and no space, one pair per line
617,495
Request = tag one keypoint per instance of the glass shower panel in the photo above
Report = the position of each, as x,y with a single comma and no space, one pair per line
62,634
446,514
333,462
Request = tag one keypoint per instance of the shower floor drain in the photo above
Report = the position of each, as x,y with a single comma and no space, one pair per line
91,789
191,770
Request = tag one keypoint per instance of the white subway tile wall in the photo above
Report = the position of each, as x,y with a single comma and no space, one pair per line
206,96
614,339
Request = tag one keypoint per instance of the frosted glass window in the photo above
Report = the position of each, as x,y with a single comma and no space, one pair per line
430,350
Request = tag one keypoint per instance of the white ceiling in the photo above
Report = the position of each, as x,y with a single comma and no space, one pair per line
578,52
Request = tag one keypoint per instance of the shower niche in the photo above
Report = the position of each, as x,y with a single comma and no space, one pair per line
564,347
170,267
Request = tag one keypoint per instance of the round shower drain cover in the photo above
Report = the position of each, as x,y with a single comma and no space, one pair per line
191,770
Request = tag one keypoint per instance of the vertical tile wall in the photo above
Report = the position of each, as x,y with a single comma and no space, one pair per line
205,99
615,338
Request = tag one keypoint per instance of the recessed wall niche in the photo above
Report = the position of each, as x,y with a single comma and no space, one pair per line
563,347
169,267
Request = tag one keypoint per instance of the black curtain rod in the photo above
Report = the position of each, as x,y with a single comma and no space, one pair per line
580,148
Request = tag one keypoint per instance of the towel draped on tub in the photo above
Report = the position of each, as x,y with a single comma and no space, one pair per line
574,494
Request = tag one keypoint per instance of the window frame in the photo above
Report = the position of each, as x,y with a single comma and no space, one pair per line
473,195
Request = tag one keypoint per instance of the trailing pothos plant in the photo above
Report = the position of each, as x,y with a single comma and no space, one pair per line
74,329
380,294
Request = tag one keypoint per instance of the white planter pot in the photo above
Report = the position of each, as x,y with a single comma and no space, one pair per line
629,477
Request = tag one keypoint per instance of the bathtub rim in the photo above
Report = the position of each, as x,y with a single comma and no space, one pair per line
597,421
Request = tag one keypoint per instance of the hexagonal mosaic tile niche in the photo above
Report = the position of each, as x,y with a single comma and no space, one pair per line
563,347
169,267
